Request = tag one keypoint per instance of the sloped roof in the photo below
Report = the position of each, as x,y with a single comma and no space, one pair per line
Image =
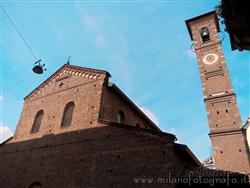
67,66
180,149
6,141
186,153
117,90
148,132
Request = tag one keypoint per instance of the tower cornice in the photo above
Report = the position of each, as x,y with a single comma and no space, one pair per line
228,131
209,98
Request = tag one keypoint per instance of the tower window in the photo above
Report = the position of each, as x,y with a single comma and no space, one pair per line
120,117
37,121
67,114
226,110
205,35
218,112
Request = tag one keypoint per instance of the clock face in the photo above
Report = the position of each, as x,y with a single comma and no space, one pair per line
210,58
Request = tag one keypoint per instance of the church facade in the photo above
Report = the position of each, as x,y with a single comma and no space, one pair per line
76,98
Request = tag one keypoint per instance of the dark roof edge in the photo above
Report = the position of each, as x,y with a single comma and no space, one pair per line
67,66
4,142
198,17
131,127
185,148
88,69
113,86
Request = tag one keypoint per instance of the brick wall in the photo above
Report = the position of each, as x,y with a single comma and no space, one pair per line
112,102
52,98
104,156
235,156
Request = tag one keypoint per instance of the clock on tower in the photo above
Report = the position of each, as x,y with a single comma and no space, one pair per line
228,137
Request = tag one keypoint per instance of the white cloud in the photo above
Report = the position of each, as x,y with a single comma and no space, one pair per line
150,114
190,54
100,40
1,98
90,21
5,133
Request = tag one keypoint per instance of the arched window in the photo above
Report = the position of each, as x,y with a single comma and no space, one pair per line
37,121
67,114
205,35
120,117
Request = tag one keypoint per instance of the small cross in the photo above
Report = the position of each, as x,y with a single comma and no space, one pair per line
68,61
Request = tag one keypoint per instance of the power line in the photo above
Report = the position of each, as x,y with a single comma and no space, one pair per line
18,84
21,36
48,71
19,33
19,77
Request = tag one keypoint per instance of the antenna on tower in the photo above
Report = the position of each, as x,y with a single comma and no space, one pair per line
68,61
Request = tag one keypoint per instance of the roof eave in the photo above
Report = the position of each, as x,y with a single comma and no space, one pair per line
67,66
6,141
182,147
131,127
113,86
200,16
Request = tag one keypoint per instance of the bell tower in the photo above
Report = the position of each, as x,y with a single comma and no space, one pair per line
228,138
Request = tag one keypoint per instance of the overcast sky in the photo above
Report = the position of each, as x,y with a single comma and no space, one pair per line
144,45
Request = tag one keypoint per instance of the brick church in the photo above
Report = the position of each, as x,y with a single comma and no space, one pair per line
78,130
